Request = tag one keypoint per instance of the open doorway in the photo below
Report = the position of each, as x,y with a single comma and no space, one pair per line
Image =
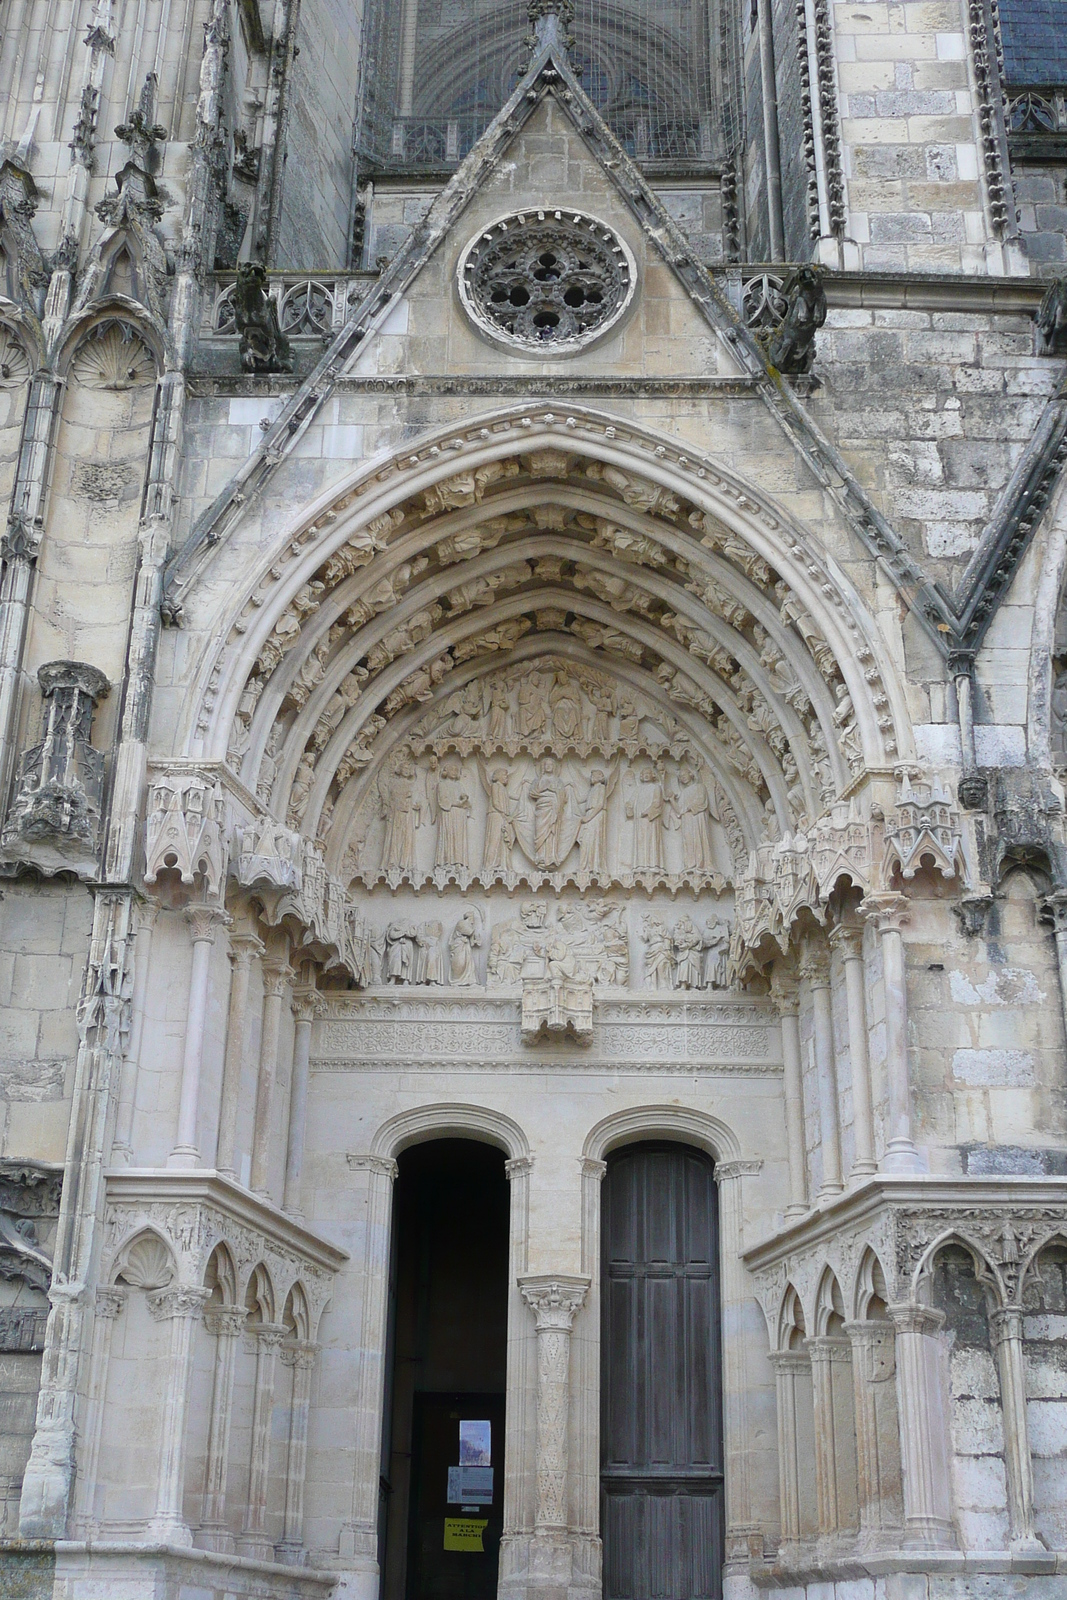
443,1446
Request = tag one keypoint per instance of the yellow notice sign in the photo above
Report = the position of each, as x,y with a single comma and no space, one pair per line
465,1533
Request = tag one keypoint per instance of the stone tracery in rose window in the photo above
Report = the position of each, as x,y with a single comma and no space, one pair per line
547,280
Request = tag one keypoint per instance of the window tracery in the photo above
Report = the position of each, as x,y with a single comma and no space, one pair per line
552,281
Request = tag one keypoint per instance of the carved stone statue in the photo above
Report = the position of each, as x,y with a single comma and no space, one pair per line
688,955
499,821
401,808
659,954
400,952
593,826
466,938
691,809
429,965
716,950
549,796
450,804
647,808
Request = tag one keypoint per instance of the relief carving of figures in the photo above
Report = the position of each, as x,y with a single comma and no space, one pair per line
541,773
584,941
683,957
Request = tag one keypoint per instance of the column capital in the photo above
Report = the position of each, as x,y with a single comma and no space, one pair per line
277,974
270,1334
205,921
825,1347
518,1167
727,1171
554,1299
1006,1322
790,1360
244,945
381,1166
813,967
847,937
143,913
889,912
307,1003
177,1300
916,1319
593,1167
1053,911
110,1302
226,1322
785,991
300,1356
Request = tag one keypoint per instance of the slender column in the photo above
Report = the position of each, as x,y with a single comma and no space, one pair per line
204,923
815,969
889,912
922,1407
1054,913
789,1366
143,916
226,1324
301,1358
1007,1328
275,976
359,1537
181,1305
835,1460
737,1310
848,939
787,998
518,1480
771,144
243,946
554,1301
306,1005
585,1353
109,1305
254,1541
877,1434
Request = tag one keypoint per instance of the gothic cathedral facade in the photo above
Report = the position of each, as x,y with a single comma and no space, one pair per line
533,799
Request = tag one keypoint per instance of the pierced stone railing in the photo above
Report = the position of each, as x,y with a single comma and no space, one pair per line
310,305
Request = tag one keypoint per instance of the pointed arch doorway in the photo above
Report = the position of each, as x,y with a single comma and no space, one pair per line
447,1343
661,1478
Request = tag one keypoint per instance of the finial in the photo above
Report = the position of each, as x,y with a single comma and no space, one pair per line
142,132
550,23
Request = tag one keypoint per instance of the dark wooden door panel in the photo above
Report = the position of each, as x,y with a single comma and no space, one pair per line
662,1513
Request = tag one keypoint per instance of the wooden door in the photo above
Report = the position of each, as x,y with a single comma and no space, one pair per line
661,1405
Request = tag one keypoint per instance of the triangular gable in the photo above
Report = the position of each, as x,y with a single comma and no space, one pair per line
952,626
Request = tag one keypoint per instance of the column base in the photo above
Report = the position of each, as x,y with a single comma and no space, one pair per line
929,1533
549,1566
170,1530
291,1554
216,1537
901,1156
256,1547
184,1155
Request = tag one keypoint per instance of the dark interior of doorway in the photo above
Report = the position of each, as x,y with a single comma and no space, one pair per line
448,1347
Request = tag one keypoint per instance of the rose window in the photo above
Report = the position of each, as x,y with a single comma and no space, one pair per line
548,281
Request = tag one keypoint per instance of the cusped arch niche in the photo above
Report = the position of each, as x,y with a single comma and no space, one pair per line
565,660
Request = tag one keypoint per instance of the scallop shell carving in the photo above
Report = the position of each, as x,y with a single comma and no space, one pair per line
14,362
114,356
147,1263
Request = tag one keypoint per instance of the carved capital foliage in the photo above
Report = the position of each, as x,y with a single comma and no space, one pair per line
379,1166
888,912
177,1300
205,921
554,1300
518,1167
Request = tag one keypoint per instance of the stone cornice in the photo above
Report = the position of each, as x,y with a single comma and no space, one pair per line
859,1205
208,1187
